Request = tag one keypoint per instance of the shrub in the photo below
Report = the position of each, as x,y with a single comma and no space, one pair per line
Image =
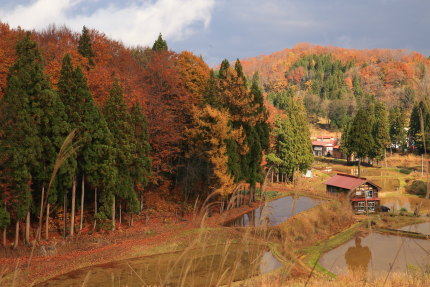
405,170
418,187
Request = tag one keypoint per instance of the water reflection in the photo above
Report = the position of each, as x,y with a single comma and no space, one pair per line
209,266
423,228
358,257
385,252
408,202
275,212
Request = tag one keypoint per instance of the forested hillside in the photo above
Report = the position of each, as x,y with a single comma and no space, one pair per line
334,82
392,86
90,128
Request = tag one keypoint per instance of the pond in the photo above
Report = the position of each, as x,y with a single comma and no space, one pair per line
209,266
275,212
375,253
423,228
407,202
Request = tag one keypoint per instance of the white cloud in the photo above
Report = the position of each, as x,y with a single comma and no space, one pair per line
137,24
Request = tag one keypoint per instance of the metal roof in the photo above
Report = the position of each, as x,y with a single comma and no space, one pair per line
347,181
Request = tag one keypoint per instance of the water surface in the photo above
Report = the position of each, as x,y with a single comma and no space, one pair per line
375,253
275,212
423,228
208,266
408,202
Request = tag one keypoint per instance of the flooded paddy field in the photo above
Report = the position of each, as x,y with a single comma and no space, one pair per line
423,228
275,212
209,266
377,254
410,203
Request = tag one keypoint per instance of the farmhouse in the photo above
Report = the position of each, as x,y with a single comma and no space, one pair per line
362,193
324,145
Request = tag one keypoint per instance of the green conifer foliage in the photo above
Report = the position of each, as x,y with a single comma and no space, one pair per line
380,132
360,139
20,143
119,123
85,47
421,111
141,164
160,44
293,148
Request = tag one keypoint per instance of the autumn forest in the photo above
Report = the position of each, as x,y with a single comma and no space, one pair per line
94,132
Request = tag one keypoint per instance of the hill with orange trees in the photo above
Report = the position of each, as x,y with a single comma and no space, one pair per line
330,78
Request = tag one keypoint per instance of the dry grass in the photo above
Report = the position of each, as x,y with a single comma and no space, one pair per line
404,160
350,280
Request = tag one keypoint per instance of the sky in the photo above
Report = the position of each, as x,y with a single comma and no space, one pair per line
218,29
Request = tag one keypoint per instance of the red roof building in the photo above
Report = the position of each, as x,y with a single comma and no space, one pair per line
362,193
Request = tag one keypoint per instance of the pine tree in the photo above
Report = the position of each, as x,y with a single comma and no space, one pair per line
85,47
160,44
397,125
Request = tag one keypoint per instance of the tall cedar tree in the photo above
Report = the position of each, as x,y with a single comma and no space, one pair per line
360,140
380,132
95,157
27,106
257,137
124,145
160,44
85,47
421,109
397,121
141,164
293,150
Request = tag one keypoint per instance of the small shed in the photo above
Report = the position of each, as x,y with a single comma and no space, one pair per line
363,194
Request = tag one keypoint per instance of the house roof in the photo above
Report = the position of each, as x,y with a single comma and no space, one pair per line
347,181
323,143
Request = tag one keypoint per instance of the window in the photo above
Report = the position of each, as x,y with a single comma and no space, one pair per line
371,206
369,194
361,206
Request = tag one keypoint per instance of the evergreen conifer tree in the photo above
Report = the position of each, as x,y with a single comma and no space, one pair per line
360,140
160,44
85,47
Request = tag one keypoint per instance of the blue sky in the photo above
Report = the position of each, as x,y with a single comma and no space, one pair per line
218,29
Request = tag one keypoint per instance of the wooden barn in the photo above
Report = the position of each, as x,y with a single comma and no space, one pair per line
362,193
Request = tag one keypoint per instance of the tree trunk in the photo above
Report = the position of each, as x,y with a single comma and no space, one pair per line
47,222
113,213
15,244
95,208
359,167
131,219
72,212
64,215
141,201
27,228
39,235
4,237
82,205
120,213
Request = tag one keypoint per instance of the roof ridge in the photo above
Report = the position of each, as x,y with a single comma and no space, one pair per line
350,175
